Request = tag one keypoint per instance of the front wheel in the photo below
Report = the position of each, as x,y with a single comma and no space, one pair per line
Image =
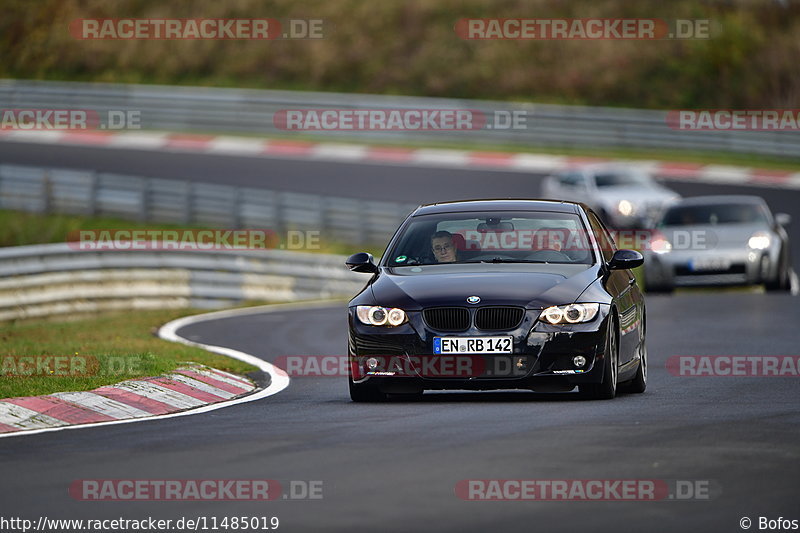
607,388
783,281
639,382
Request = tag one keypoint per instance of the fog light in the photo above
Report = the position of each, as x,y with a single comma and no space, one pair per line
579,361
372,363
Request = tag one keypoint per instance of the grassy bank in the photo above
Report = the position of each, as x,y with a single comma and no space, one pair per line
20,228
410,47
101,350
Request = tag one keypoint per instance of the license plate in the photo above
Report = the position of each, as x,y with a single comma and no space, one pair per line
709,263
459,345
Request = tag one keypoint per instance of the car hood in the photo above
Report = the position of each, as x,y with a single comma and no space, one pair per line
527,285
638,194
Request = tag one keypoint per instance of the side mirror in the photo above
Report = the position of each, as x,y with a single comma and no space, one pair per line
361,262
783,219
625,259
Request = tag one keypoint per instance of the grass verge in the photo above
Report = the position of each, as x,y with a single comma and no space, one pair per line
103,350
20,228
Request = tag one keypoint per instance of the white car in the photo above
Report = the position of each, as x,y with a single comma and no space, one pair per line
625,197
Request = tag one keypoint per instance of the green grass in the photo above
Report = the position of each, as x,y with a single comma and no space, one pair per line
19,228
107,349
410,47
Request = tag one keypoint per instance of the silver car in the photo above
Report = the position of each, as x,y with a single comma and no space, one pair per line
719,240
625,197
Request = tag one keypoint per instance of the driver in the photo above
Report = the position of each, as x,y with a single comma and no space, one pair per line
444,249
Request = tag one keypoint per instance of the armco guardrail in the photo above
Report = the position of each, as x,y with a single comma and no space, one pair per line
52,279
348,220
252,111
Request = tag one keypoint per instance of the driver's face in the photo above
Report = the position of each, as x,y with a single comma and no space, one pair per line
443,249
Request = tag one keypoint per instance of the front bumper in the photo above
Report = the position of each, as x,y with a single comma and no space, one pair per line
541,358
746,267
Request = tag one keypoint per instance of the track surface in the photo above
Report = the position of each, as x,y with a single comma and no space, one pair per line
355,180
394,466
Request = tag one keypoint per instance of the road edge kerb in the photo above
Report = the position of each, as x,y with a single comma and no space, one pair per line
279,380
388,155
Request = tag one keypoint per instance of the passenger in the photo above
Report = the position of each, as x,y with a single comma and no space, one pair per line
444,249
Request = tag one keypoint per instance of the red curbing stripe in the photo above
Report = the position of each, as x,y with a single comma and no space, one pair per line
213,382
190,142
385,153
688,170
491,158
135,400
289,147
88,137
248,385
769,176
60,409
185,389
5,428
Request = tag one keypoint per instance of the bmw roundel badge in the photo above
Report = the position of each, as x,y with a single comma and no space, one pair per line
473,299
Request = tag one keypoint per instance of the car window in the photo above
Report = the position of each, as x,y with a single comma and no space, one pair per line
572,179
524,237
604,239
733,213
621,178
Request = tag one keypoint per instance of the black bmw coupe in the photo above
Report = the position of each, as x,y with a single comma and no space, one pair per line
498,294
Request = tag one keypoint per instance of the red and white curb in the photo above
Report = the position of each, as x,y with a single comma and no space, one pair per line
187,391
324,151
185,388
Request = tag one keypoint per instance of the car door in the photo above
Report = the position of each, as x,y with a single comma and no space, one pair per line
621,284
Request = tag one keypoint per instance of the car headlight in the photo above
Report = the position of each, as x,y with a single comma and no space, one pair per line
570,314
759,241
625,208
375,315
660,245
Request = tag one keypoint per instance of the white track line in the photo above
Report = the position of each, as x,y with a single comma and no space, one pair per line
279,378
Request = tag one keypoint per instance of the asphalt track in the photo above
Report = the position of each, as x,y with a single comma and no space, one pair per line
394,466
355,180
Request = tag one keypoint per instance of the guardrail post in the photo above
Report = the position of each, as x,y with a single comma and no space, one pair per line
91,208
47,192
187,202
144,200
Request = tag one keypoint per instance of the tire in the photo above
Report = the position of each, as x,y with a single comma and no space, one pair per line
639,382
607,388
783,282
364,393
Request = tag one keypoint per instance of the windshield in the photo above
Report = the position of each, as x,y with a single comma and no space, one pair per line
714,214
620,178
492,237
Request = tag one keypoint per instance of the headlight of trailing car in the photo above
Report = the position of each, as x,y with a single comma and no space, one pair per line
375,315
625,208
759,241
570,314
660,245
